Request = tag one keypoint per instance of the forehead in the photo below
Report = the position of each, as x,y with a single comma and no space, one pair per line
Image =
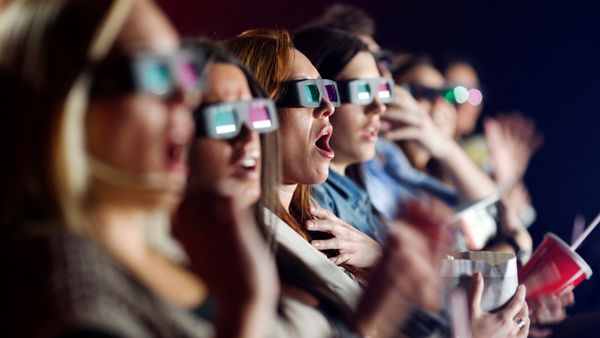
426,75
462,73
301,67
225,82
147,29
361,66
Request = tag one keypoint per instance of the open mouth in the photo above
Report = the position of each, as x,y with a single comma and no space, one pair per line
176,157
371,132
322,142
247,166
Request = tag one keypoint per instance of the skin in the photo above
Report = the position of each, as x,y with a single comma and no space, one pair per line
134,133
228,84
216,219
300,128
351,121
466,114
351,145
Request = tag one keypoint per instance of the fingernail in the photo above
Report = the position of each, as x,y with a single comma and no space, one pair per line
315,243
310,224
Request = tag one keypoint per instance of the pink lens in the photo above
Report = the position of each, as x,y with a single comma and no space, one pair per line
259,116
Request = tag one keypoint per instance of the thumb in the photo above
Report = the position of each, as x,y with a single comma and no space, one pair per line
475,294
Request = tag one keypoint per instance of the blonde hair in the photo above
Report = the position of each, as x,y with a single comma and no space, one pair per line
47,48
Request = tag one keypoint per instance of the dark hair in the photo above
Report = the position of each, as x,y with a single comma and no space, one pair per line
347,18
407,62
452,59
329,49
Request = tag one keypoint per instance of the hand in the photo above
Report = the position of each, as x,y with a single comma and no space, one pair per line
512,140
501,324
549,309
406,276
355,248
403,277
406,120
227,251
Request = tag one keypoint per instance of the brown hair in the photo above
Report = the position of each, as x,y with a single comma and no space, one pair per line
266,52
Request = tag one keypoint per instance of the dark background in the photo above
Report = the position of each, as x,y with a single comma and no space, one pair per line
538,57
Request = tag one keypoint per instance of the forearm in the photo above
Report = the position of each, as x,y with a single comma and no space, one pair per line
470,182
251,318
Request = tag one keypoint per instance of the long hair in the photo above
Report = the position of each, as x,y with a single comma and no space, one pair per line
270,175
48,47
266,52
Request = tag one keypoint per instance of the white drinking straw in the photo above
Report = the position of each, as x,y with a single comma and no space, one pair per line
586,233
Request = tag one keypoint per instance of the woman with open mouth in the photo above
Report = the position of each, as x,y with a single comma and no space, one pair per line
305,103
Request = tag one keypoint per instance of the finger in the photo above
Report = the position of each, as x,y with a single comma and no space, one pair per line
320,225
333,243
401,134
524,316
516,303
321,213
475,294
568,297
340,259
398,116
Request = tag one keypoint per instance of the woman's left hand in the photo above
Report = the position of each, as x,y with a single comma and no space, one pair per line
355,248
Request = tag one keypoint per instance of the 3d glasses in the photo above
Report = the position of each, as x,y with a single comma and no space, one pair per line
455,95
156,74
224,120
309,93
363,91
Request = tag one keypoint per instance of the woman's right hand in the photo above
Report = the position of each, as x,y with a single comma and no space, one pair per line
227,251
501,324
406,276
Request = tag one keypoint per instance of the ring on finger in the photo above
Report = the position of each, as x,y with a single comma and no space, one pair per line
520,322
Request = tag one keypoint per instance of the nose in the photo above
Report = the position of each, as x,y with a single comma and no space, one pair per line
181,104
326,109
376,107
245,137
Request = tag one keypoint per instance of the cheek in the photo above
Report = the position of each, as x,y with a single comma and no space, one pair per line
295,132
209,162
346,127
128,133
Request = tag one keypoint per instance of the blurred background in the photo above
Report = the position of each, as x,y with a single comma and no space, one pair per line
537,57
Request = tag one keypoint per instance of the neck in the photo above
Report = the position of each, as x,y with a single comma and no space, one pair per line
339,168
120,230
286,192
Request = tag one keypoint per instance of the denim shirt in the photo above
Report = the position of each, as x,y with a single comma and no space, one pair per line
348,201
391,180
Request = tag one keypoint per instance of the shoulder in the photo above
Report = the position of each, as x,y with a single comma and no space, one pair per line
64,284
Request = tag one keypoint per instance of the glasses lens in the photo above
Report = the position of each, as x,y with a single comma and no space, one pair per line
259,116
461,94
363,92
189,73
157,77
312,93
475,97
385,92
332,93
225,120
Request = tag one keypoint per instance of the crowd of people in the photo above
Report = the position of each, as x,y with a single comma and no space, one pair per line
274,184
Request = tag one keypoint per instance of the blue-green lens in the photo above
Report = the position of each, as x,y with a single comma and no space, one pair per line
157,78
225,120
312,93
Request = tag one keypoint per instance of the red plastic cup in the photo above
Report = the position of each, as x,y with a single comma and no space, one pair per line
553,268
